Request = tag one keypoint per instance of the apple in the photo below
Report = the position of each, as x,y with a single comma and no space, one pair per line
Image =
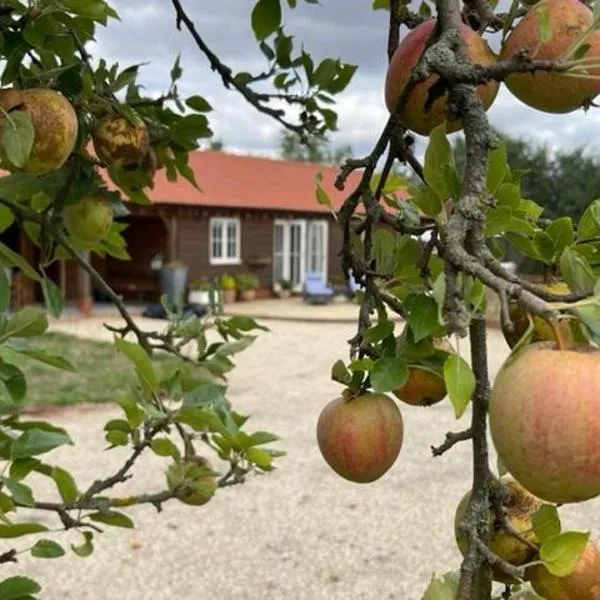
520,507
568,20
89,220
413,114
117,139
582,584
192,482
544,418
360,436
423,387
54,123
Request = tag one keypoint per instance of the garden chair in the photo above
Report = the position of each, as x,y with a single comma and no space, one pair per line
316,290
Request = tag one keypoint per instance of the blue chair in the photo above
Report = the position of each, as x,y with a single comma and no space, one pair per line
316,290
353,286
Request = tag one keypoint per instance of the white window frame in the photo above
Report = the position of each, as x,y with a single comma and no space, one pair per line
223,223
286,252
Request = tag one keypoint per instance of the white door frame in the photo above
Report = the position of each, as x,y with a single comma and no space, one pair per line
286,252
322,225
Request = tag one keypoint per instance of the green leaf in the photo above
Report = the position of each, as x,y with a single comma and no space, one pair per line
87,547
576,271
546,523
205,395
35,441
4,291
116,437
498,220
509,195
164,447
28,322
561,553
266,18
427,200
198,103
133,413
7,218
388,373
52,297
49,359
258,438
200,420
442,588
112,518
460,383
523,244
497,168
589,224
19,469
424,317
18,588
340,373
14,380
562,234
19,529
261,458
140,359
545,246
322,197
67,488
47,549
437,155
16,136
244,324
21,493
378,332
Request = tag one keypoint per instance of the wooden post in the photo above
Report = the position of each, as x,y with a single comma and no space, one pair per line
84,289
172,250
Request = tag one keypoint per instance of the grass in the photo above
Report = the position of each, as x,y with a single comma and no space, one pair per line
101,372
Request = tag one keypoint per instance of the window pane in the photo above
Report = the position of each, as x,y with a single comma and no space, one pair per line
217,237
232,239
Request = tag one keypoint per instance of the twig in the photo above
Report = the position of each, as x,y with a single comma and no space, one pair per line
451,440
226,74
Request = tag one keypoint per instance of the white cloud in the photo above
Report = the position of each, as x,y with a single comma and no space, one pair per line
349,30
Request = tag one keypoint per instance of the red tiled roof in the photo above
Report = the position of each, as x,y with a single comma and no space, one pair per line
251,182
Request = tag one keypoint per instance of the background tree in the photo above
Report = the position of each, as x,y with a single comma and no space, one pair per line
316,150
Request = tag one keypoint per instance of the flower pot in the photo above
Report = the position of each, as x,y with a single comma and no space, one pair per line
173,280
228,296
284,293
202,297
248,295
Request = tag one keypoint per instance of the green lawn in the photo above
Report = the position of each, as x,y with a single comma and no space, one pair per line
101,372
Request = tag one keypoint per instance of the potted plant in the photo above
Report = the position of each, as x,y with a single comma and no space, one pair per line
284,288
247,284
228,286
200,292
173,281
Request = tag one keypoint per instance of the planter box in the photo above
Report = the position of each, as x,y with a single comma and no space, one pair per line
248,295
202,297
228,296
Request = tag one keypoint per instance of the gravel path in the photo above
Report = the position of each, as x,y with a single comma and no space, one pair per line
298,533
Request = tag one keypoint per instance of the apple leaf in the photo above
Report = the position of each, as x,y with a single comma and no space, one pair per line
496,168
437,155
576,271
442,588
561,553
546,523
17,137
388,373
340,373
423,318
266,18
18,588
460,383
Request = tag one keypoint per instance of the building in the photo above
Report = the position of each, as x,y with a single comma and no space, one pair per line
252,214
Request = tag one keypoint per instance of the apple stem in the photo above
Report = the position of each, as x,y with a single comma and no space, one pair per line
558,335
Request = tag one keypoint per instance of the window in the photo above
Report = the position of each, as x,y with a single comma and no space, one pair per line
224,242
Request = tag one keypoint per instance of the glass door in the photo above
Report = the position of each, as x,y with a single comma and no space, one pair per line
317,247
289,251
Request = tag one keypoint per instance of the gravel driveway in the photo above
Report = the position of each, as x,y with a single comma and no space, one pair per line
298,533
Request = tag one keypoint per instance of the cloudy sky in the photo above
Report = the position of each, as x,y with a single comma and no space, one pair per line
346,29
